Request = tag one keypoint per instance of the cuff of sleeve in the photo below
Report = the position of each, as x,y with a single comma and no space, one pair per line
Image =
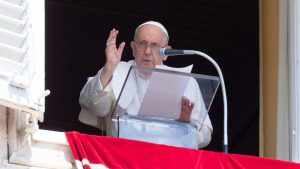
204,136
196,124
108,86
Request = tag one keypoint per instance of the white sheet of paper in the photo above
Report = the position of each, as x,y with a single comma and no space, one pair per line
164,94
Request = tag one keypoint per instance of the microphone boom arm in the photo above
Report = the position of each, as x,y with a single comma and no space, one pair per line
194,52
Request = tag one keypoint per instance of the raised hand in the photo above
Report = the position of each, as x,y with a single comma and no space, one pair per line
113,56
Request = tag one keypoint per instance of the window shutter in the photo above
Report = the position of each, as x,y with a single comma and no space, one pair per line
22,55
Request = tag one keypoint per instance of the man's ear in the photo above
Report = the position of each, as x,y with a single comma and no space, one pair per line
166,57
168,47
132,45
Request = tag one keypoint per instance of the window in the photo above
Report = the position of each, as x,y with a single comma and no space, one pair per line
22,51
22,93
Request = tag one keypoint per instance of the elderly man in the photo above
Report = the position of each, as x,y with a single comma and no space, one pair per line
98,97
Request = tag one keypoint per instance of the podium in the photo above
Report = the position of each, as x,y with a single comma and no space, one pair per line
149,105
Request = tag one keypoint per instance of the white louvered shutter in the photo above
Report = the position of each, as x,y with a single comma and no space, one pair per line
22,54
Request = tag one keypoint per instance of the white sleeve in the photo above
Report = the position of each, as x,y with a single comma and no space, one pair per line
204,126
204,136
199,116
96,100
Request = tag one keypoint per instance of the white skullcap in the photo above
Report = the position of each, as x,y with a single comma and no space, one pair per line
154,23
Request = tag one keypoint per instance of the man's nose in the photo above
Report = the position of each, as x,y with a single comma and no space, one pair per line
148,50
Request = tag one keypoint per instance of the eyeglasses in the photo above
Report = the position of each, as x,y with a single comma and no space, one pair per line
143,45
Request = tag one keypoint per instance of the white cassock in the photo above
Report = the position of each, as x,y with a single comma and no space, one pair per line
97,105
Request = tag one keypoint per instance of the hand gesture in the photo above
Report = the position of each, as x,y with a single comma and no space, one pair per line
186,110
113,54
113,57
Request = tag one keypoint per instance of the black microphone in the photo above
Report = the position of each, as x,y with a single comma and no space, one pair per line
170,52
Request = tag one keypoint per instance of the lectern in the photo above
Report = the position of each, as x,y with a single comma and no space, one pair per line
149,105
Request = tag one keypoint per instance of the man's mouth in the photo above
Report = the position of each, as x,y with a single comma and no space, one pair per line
147,63
147,60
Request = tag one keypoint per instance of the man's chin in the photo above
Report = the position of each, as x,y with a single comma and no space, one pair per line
147,65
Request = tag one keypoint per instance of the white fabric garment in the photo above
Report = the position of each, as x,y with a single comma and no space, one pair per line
97,103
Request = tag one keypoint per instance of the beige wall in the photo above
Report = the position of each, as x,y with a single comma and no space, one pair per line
269,19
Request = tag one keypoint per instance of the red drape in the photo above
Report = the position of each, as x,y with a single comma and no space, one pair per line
92,151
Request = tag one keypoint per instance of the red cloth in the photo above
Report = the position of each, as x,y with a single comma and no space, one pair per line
117,153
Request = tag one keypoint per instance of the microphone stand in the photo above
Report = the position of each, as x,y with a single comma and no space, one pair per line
194,52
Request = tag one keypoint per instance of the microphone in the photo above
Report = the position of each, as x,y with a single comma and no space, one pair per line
170,52
175,52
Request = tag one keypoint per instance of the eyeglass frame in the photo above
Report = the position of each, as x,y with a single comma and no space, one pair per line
143,45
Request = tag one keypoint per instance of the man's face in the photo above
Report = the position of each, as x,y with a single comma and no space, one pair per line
148,40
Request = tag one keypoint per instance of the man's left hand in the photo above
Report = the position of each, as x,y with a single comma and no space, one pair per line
186,110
